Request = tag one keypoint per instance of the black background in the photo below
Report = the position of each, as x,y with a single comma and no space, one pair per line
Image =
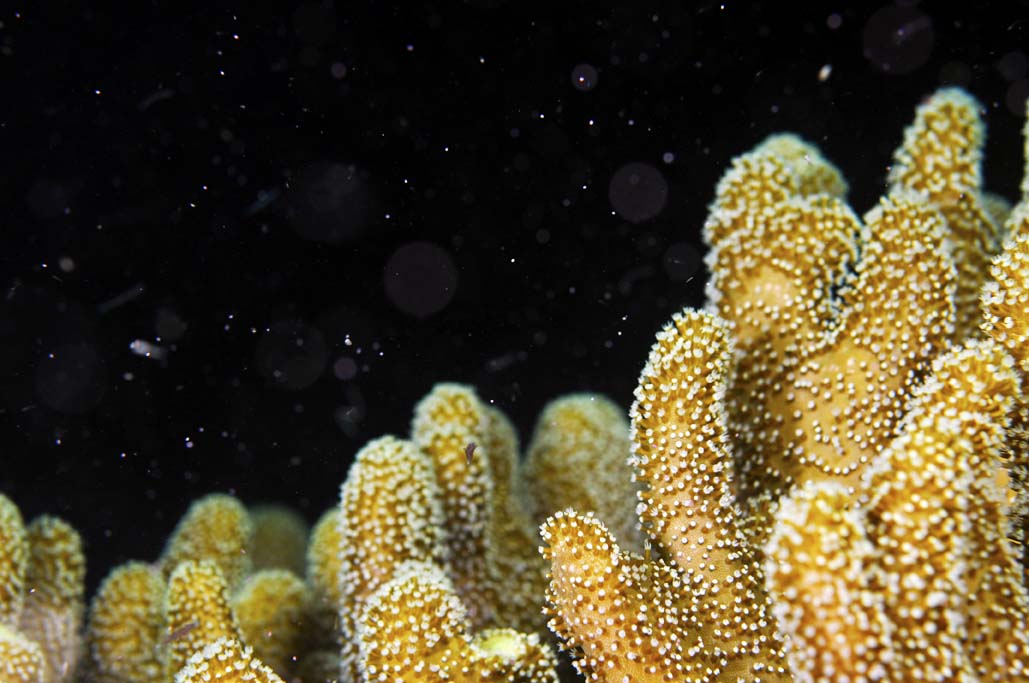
229,184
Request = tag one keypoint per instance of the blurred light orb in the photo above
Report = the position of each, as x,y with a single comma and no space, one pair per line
344,368
71,379
420,278
898,39
169,325
638,192
330,202
291,354
584,77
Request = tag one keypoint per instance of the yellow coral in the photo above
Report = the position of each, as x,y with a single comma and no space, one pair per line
846,429
21,660
941,156
55,601
216,528
323,559
390,513
225,661
13,562
447,423
825,604
197,612
583,433
279,538
416,629
125,624
270,607
514,566
606,601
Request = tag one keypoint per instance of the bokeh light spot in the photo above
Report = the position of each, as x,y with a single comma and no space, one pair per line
898,39
420,278
291,354
72,379
638,192
330,203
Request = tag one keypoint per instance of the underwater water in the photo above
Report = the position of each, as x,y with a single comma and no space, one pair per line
240,241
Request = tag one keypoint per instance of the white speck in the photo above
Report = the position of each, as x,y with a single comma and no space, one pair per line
824,73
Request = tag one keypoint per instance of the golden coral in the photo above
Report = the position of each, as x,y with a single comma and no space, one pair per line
13,562
446,424
697,612
941,157
42,593
390,513
197,612
489,536
583,433
215,528
824,462
147,621
225,661
279,538
271,608
432,641
54,606
125,625
21,660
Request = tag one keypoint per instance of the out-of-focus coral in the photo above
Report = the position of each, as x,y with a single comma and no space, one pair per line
832,456
126,625
54,605
42,597
21,660
583,433
279,538
215,528
271,607
148,620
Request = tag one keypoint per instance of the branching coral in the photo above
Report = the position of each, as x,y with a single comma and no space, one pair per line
147,621
830,467
833,457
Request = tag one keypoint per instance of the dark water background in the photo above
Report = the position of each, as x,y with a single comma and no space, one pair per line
238,242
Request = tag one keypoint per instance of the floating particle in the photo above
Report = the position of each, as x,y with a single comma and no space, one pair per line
585,77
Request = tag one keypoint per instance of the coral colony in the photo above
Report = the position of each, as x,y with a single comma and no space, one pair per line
823,478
